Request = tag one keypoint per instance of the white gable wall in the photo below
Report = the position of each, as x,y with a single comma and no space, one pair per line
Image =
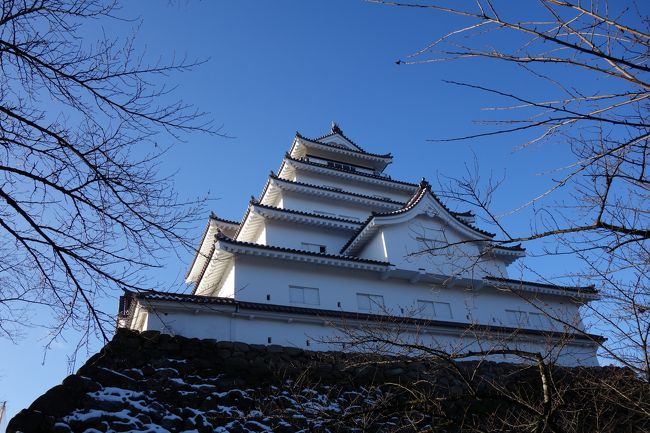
376,248
449,253
258,328
336,139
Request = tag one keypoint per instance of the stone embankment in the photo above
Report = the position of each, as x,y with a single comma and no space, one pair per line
152,382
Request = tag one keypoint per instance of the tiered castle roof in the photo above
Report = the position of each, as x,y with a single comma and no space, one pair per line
338,159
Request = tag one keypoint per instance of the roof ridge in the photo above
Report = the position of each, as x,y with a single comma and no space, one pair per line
517,247
591,288
363,152
336,129
311,214
214,216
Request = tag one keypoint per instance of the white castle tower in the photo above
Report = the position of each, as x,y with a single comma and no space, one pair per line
335,251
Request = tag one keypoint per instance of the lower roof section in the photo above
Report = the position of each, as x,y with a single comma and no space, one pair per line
131,300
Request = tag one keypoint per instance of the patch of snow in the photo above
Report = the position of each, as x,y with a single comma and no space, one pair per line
227,409
194,411
202,386
177,380
264,427
115,394
147,428
92,414
117,373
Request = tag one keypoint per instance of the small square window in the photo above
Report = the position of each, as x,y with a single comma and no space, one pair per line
439,310
304,295
314,248
517,318
370,303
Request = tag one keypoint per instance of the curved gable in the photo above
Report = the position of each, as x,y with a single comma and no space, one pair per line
425,235
423,202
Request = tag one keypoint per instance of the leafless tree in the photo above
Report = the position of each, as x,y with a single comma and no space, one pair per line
594,56
82,207
461,389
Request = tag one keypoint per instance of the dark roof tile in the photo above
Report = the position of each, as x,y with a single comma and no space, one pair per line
309,214
361,152
584,289
224,238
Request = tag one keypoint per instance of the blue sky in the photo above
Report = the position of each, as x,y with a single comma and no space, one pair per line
276,67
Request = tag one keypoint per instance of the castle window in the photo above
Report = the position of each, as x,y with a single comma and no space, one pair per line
517,317
304,295
370,303
439,310
314,248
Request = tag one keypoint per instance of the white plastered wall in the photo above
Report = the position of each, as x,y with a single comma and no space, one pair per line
292,235
222,323
257,277
336,207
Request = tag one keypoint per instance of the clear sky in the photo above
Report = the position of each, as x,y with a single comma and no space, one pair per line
277,67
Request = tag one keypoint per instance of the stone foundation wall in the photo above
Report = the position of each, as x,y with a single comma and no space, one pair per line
159,383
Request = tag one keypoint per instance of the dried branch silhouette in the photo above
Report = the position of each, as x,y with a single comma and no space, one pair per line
594,56
82,207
